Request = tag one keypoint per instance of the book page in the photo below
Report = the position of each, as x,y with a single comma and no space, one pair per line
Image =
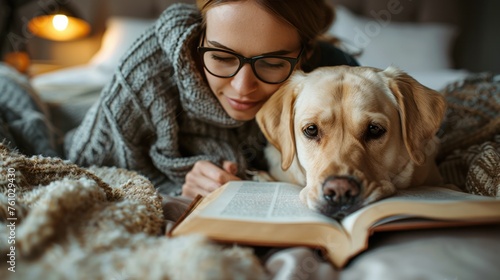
435,194
424,197
262,201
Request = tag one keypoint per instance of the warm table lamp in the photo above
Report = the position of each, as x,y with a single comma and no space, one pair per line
60,25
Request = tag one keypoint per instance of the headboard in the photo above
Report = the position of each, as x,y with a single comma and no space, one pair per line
475,48
422,11
477,44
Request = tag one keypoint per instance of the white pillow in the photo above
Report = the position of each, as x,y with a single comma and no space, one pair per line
408,46
120,33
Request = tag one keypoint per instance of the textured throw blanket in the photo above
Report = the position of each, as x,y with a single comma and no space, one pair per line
60,221
469,155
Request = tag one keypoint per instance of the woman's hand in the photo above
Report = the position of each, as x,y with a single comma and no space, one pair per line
205,177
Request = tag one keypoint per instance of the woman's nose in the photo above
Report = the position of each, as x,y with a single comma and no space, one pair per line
245,82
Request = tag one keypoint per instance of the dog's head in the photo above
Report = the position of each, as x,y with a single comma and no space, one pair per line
356,133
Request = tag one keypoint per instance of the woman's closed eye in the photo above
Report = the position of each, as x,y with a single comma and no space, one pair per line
224,58
272,63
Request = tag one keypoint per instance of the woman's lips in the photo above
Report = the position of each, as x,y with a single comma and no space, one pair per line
241,105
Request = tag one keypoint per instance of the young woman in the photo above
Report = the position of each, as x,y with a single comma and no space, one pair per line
180,108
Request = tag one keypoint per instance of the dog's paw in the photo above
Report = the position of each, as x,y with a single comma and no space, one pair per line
259,176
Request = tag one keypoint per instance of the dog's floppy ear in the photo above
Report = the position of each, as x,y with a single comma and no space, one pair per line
275,119
421,111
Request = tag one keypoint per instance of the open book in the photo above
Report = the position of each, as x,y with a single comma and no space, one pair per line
271,214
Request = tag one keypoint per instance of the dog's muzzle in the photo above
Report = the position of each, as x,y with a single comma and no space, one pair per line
342,196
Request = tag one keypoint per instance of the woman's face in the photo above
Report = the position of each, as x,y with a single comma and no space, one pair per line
247,29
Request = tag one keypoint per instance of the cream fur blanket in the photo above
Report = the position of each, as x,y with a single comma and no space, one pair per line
69,222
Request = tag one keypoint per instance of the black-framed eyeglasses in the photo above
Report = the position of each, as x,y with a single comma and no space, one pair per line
271,69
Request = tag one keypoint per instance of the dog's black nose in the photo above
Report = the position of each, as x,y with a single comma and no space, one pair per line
341,193
340,189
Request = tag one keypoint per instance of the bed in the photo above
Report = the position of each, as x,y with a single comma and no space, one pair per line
108,230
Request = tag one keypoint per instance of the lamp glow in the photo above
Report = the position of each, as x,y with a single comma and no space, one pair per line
62,26
60,22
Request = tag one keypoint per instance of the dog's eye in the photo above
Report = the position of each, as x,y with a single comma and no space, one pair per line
311,131
374,131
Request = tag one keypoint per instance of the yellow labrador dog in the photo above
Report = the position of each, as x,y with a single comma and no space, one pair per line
352,135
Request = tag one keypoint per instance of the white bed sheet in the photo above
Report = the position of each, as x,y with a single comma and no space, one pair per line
78,80
70,92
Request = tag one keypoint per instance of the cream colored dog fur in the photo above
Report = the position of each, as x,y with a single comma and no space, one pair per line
352,135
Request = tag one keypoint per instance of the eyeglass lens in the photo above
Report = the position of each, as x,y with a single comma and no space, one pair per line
268,69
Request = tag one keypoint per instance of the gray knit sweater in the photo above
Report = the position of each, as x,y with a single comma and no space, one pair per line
158,116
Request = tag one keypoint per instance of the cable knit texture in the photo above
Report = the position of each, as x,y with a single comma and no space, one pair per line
469,156
24,119
99,223
158,116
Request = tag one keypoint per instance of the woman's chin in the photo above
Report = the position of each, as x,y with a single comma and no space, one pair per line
242,116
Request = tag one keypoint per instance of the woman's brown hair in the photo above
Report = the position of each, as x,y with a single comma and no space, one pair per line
311,18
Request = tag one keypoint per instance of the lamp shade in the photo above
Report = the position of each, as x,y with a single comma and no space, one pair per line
61,25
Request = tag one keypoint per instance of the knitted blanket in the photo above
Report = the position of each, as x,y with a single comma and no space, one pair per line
24,118
60,221
469,155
